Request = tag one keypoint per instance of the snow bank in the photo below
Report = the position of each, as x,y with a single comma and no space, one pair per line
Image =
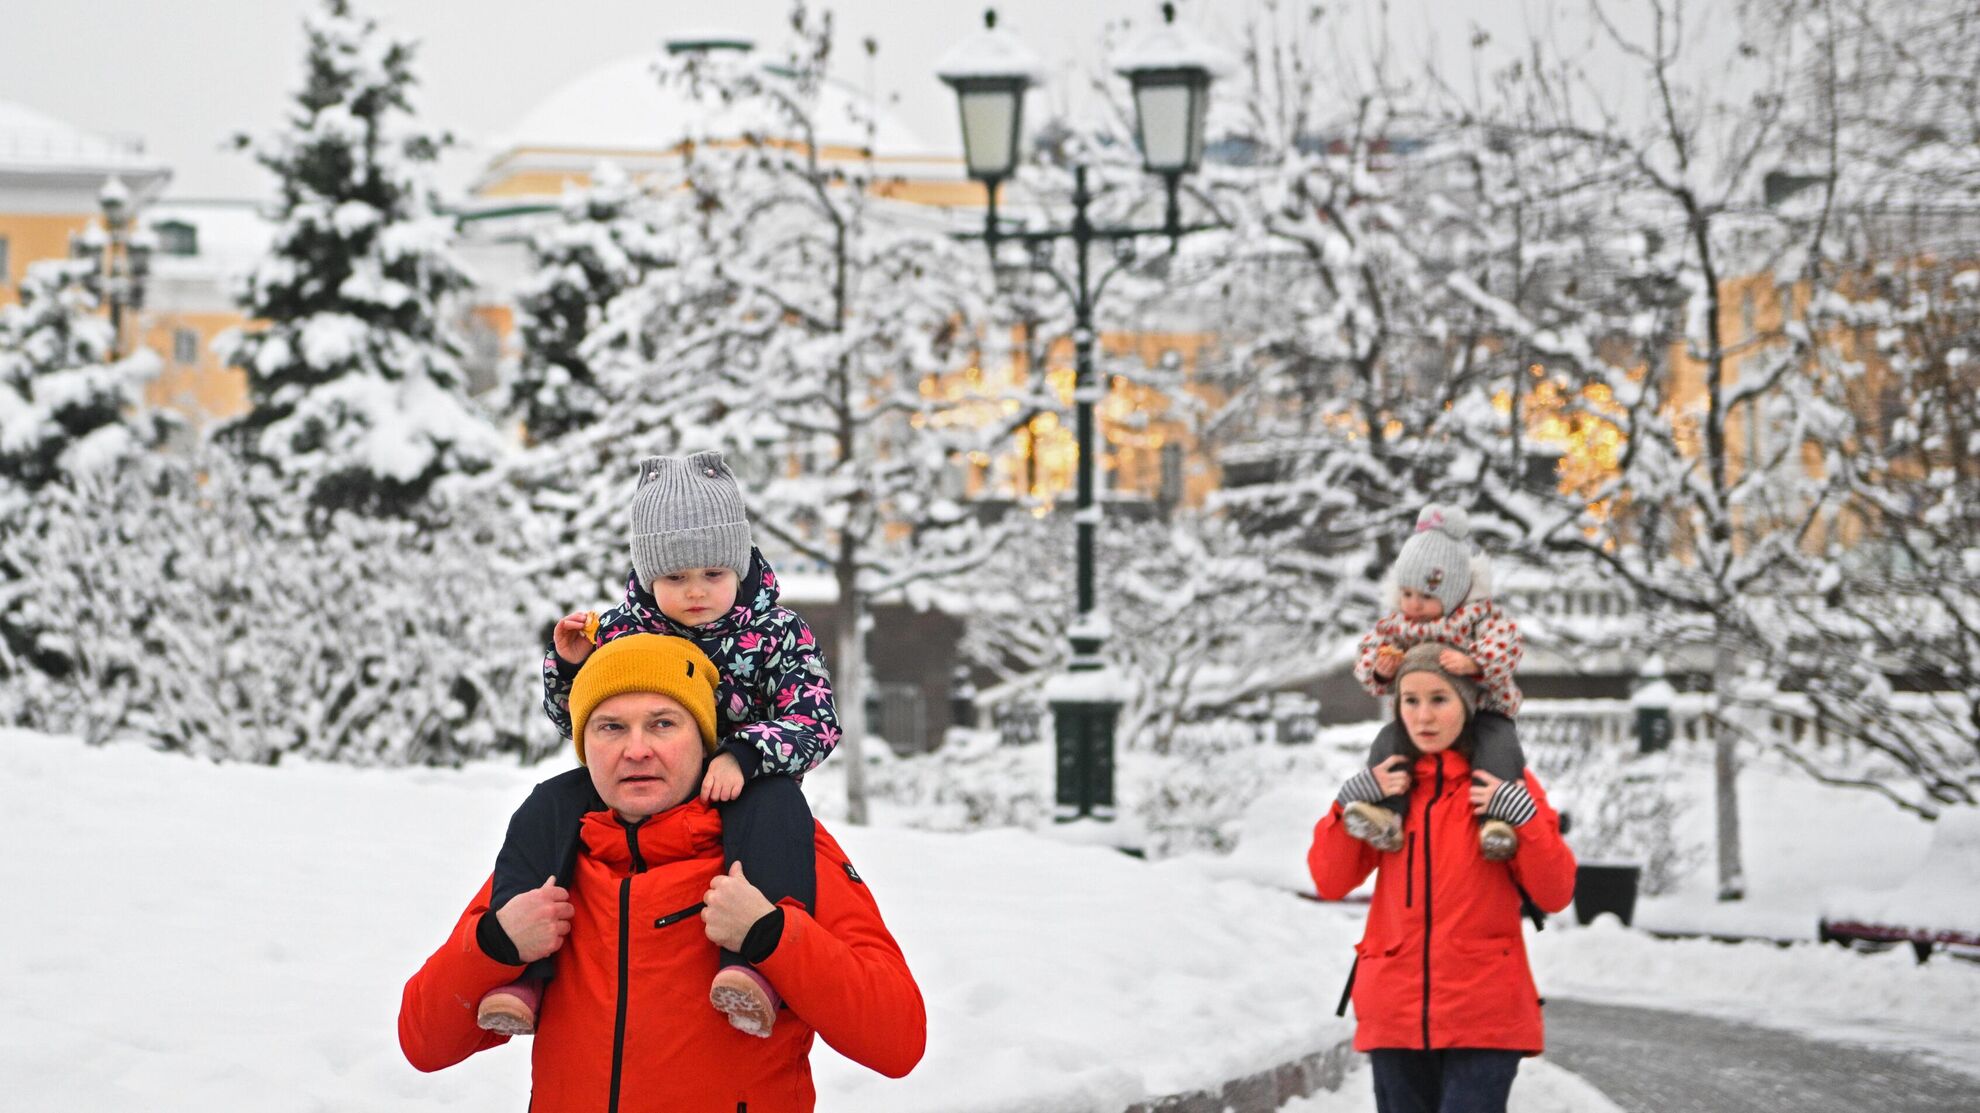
1802,841
1942,895
236,937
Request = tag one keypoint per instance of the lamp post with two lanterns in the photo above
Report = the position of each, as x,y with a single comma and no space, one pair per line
1170,71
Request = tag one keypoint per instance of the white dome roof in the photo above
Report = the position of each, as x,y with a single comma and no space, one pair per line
623,106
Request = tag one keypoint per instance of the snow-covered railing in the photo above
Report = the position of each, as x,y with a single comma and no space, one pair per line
1566,601
1790,718
1593,723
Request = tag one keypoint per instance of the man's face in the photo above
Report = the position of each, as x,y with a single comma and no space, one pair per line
644,752
695,596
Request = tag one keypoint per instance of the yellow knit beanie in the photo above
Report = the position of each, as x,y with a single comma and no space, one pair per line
646,663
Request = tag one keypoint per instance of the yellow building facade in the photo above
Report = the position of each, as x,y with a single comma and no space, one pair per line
52,181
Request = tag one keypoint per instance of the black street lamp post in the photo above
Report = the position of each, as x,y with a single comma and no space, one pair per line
1170,71
120,260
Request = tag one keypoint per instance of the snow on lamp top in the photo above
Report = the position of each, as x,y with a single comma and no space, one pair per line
991,54
1173,46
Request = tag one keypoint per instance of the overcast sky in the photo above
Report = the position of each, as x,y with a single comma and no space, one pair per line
184,76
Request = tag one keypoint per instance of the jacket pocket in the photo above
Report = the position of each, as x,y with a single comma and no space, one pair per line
1379,949
1409,873
672,918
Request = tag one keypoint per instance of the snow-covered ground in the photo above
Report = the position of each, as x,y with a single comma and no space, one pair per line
188,936
1804,844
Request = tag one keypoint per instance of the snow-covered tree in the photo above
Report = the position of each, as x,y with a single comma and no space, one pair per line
1889,107
1898,602
358,395
797,332
1887,127
603,243
1365,373
1199,616
65,406
1727,439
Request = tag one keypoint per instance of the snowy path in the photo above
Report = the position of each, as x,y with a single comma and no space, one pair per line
1655,1061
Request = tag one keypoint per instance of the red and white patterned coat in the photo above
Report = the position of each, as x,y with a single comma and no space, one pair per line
1485,633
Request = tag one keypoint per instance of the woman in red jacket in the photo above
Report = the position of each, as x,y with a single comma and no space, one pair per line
1444,1000
625,1027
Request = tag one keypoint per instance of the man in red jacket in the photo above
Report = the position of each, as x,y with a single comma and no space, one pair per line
625,1026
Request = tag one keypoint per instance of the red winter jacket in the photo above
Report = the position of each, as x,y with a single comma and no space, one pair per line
626,1025
1443,963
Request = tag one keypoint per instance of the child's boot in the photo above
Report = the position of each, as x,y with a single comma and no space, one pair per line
745,997
1374,824
511,1009
1497,839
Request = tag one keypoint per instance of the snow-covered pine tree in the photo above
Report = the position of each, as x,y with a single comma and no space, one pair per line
796,334
579,386
359,399
603,243
64,406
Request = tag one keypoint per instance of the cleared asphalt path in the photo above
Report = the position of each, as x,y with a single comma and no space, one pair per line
1654,1061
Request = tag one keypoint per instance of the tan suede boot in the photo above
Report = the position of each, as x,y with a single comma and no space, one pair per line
1374,824
745,997
510,1009
1498,840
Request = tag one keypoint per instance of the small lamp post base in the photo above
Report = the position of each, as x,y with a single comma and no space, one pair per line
1084,734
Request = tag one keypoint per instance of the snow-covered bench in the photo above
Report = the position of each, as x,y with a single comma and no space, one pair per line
1937,906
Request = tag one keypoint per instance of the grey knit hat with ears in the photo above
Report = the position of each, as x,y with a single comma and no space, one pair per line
687,513
1436,560
1428,657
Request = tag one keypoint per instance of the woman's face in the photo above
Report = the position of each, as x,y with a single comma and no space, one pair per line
1431,711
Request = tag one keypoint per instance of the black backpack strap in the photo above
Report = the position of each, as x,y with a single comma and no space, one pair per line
1529,909
1347,991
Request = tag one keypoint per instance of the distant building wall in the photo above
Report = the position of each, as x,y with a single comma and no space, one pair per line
913,656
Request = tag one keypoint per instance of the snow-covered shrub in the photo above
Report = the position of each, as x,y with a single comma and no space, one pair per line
1189,799
193,607
971,782
1622,809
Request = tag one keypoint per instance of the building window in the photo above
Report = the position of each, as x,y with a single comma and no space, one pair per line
185,345
1170,490
6,275
176,237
